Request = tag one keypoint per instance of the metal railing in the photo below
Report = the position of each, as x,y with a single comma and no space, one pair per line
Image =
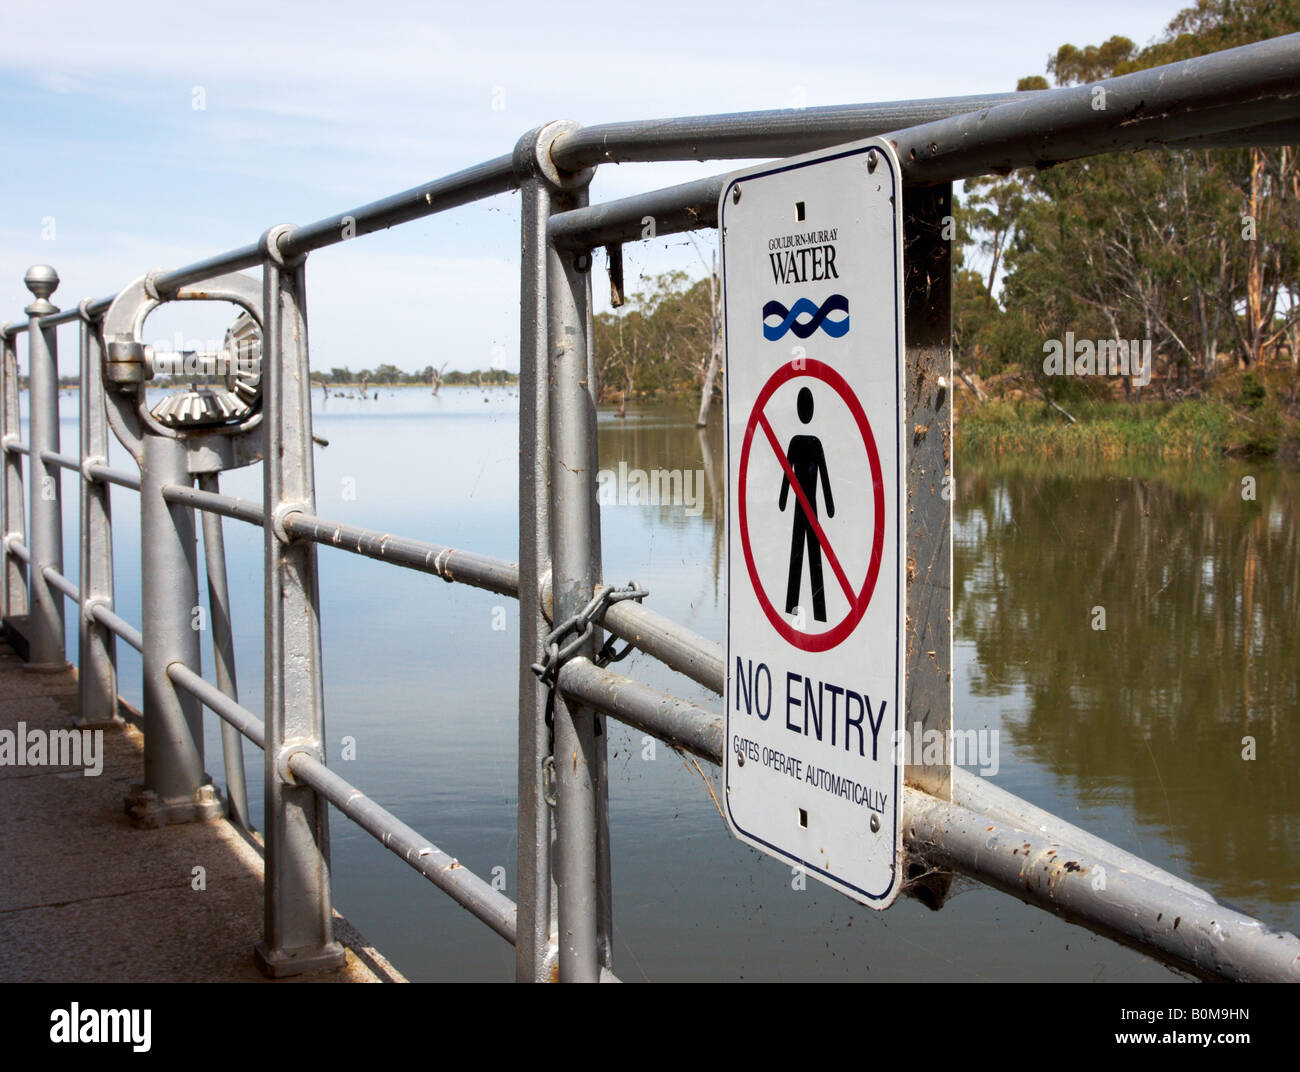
1241,97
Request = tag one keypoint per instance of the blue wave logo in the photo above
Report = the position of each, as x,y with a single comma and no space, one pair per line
816,318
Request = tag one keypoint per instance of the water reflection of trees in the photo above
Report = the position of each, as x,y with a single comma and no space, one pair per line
666,438
1200,590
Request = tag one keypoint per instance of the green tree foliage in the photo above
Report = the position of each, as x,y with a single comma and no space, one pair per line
659,341
1197,250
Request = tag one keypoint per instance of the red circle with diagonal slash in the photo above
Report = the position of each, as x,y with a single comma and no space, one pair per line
857,601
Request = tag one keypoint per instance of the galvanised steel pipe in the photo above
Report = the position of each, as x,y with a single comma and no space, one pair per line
96,645
67,316
45,612
223,653
18,448
467,567
676,646
572,489
1206,939
19,550
1236,89
1221,97
979,794
677,722
749,135
120,626
689,206
535,940
214,503
298,930
176,788
13,514
448,874
57,580
66,461
228,709
472,184
114,476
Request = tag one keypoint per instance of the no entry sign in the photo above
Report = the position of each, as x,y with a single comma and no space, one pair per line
812,299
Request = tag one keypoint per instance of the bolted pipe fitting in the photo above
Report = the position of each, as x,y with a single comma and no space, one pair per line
284,758
280,513
270,244
532,157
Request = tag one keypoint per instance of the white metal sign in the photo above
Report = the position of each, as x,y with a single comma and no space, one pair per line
812,269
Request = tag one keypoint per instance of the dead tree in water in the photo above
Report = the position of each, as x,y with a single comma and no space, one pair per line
715,351
435,376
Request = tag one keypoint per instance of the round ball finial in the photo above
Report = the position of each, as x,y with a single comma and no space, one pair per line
42,281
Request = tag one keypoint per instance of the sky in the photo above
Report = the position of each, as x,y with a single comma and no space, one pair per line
140,136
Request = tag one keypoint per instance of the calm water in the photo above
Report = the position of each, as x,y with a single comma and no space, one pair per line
1134,732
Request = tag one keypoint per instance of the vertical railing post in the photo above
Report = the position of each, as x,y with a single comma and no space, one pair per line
223,652
176,788
47,650
97,646
927,265
299,933
579,740
13,511
535,933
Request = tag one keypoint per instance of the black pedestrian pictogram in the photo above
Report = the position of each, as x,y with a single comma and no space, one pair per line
807,461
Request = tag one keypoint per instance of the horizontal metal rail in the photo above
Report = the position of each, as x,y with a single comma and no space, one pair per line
212,697
67,461
68,316
213,502
449,875
1226,97
62,583
117,625
96,471
750,135
1217,94
1209,96
467,567
114,476
978,794
1144,908
1206,939
18,548
679,723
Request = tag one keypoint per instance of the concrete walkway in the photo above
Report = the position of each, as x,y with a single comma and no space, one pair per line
85,897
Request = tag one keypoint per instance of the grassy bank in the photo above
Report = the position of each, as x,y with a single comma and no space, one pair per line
1241,416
